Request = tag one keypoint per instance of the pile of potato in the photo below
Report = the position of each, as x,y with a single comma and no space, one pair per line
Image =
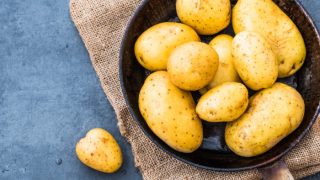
267,46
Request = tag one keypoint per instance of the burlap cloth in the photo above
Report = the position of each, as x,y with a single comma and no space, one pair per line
101,24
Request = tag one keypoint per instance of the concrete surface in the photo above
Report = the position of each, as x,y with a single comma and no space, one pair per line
50,95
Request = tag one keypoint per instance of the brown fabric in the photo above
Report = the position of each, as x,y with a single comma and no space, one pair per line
101,24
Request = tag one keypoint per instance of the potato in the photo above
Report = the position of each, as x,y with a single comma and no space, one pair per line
154,46
272,115
192,66
226,71
207,17
266,18
223,103
100,151
254,60
170,113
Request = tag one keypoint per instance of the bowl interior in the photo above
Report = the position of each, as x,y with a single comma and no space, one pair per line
214,154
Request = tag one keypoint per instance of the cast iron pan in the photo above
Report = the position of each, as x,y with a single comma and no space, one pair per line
214,154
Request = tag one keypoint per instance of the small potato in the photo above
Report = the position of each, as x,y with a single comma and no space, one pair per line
100,151
154,46
192,66
226,71
207,17
170,113
254,60
272,115
223,103
266,18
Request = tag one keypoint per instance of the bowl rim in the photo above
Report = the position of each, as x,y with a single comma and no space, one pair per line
268,162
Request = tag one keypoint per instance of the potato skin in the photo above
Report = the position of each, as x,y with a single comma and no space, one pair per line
226,71
223,103
154,46
207,17
170,113
193,65
254,60
100,151
265,17
272,115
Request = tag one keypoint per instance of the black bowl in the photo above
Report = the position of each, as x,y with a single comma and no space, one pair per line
214,154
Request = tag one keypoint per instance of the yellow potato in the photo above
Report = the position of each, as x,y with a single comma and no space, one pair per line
100,151
170,113
154,46
192,66
207,17
226,71
272,115
266,18
223,103
254,60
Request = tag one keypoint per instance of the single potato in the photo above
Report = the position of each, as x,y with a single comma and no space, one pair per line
100,151
154,46
226,71
207,17
265,17
223,103
170,113
254,60
272,115
193,65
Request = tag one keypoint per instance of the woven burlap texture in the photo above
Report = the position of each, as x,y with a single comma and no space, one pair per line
101,24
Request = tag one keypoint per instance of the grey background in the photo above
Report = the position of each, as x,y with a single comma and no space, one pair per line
50,95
